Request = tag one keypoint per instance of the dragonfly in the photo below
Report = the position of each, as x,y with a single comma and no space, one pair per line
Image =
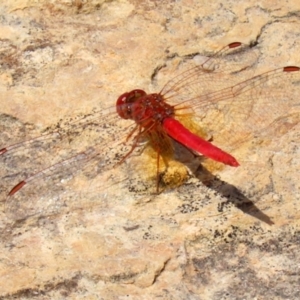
230,104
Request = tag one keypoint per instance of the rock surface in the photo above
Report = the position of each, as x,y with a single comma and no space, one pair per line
102,236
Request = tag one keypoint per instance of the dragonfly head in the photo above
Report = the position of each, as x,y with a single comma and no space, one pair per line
125,102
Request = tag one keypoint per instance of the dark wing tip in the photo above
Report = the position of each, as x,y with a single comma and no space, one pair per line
16,188
234,45
291,69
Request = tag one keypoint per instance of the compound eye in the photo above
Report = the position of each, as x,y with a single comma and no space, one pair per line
136,94
125,101
123,106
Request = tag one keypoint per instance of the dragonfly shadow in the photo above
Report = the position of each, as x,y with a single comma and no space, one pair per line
232,194
194,162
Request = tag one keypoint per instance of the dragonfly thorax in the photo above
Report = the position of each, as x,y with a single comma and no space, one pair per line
144,109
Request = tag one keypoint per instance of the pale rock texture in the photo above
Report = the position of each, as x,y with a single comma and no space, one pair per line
100,235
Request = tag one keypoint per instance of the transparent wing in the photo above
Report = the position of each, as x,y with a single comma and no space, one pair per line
45,174
231,104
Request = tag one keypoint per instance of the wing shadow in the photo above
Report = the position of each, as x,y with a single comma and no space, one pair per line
232,194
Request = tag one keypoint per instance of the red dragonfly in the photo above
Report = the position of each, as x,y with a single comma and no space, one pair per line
228,102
